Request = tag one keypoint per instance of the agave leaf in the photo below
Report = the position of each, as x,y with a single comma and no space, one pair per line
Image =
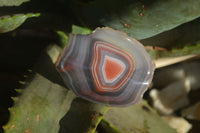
139,19
9,23
12,2
41,104
139,118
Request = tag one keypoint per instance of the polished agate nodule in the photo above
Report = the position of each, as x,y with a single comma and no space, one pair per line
106,67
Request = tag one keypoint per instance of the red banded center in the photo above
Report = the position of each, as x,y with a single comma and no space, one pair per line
110,72
112,69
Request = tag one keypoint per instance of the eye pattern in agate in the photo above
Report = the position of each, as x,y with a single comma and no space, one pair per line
106,67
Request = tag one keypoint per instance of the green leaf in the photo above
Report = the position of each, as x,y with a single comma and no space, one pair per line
83,117
12,2
80,30
187,50
158,52
180,36
63,38
139,19
39,108
9,23
138,118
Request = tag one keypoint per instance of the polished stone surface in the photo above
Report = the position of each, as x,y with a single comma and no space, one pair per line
106,67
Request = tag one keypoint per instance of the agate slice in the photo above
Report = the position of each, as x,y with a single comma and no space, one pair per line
106,67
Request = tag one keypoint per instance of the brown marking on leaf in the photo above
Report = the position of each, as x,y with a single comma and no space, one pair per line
149,48
101,114
160,48
141,14
127,25
27,131
94,116
12,126
27,118
94,128
155,48
143,7
13,112
37,118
